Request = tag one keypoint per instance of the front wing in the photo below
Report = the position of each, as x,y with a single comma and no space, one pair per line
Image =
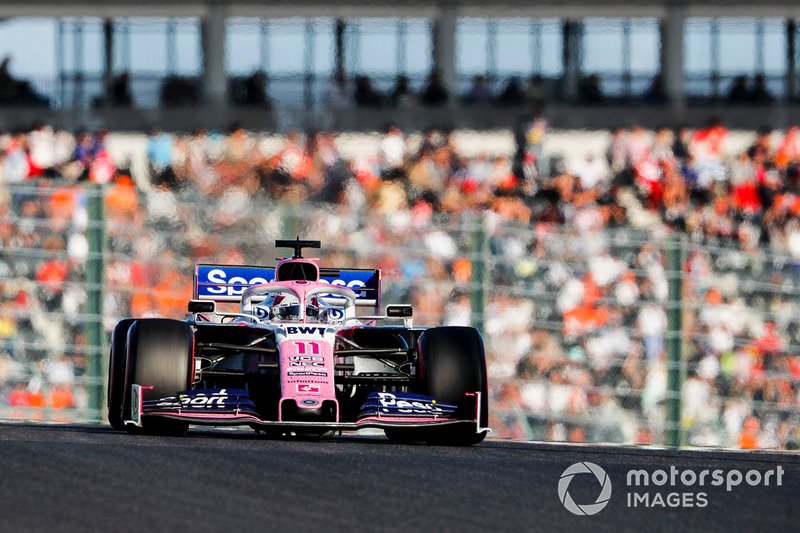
382,410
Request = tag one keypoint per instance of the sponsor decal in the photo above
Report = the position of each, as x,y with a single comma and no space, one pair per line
309,402
204,400
306,360
335,314
390,401
307,373
230,281
261,311
308,388
308,330
396,403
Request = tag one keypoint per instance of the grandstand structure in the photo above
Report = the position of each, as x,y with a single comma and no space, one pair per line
688,90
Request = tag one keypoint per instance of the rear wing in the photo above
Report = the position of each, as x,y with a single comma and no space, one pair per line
226,283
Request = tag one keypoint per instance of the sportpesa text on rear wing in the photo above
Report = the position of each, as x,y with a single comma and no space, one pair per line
226,283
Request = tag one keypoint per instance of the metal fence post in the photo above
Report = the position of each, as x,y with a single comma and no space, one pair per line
480,253
674,344
95,268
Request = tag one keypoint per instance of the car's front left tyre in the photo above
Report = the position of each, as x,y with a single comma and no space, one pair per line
159,356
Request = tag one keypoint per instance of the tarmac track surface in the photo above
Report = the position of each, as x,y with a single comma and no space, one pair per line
91,478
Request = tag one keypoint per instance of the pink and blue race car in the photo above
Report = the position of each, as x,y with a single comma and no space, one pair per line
305,352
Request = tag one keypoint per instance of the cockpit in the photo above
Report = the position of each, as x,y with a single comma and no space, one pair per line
298,301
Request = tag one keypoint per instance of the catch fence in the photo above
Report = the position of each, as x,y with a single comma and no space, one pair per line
593,335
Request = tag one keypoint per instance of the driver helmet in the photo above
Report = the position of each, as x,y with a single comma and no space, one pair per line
289,309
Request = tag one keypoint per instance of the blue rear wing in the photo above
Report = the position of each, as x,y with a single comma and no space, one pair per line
226,283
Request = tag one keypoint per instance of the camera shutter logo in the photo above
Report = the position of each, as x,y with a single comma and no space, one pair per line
589,508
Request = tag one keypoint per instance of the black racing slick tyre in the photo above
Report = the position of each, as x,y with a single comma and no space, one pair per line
159,356
117,363
453,363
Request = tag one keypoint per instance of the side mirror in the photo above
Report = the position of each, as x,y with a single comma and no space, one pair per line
399,311
202,306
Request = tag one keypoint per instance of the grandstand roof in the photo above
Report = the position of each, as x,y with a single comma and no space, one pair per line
416,8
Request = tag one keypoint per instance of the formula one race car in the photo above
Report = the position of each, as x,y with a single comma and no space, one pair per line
297,358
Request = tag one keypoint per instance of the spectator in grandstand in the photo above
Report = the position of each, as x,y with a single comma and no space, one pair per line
591,172
177,91
8,85
159,158
364,95
256,86
589,90
84,148
760,93
681,140
121,91
675,198
738,93
762,142
431,140
401,94
512,93
535,91
337,94
618,156
656,93
663,146
652,325
529,137
251,91
510,422
789,150
639,145
101,167
41,144
15,158
427,175
750,434
21,395
17,92
60,376
393,152
746,194
708,147
478,93
434,94
240,145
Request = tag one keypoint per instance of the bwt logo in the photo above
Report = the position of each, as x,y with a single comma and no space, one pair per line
587,509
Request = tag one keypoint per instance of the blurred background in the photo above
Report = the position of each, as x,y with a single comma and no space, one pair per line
609,193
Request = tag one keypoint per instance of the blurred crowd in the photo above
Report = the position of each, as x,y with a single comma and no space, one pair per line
579,253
